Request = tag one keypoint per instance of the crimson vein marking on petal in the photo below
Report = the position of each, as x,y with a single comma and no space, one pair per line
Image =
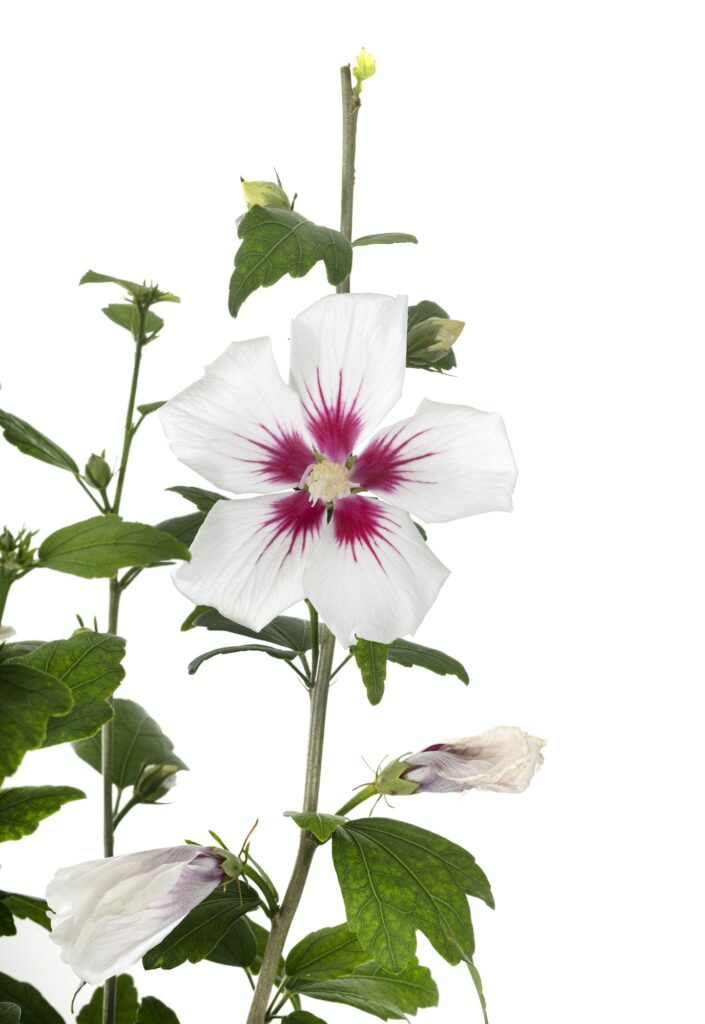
383,467
335,426
286,454
361,521
292,516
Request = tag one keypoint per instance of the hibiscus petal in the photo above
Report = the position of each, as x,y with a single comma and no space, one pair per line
348,354
372,575
240,426
444,462
248,558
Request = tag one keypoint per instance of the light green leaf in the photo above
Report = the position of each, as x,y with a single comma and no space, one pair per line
386,238
26,908
98,547
404,652
10,1013
202,499
149,407
396,879
33,442
33,1006
127,315
321,825
302,1017
237,948
28,698
277,242
273,652
126,1004
137,742
378,992
89,664
184,528
154,1011
286,631
326,954
203,928
23,807
371,659
477,982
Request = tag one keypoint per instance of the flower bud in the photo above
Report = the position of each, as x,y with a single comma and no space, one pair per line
432,339
16,552
265,193
5,633
155,782
391,781
365,68
98,472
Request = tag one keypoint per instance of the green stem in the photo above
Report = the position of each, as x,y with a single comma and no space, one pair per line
364,794
351,108
92,496
129,425
282,919
6,582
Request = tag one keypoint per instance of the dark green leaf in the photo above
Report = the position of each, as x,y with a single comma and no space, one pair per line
7,921
203,928
139,291
34,443
404,652
127,315
277,242
26,908
303,1017
28,698
273,652
33,1006
295,634
423,311
376,991
321,825
203,500
10,1013
98,547
89,664
237,948
154,1011
126,1004
386,238
326,954
261,938
371,659
477,982
184,528
137,742
23,807
11,652
149,407
396,879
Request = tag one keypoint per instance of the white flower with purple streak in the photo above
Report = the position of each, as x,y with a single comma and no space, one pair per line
360,561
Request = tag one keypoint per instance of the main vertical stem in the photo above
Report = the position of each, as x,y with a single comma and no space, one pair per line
351,108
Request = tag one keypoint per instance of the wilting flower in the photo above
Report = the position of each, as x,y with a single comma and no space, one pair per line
6,632
107,913
503,760
361,562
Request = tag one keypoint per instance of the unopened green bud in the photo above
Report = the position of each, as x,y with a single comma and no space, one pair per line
98,472
365,68
154,783
391,781
433,338
7,541
265,193
231,863
16,551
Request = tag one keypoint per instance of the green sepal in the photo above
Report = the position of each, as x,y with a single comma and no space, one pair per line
322,826
371,659
22,808
32,442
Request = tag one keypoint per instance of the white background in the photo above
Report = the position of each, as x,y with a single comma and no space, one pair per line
550,158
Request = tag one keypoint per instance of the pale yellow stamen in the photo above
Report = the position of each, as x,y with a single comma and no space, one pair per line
326,481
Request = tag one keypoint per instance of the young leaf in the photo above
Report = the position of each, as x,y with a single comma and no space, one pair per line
404,652
277,242
286,631
321,825
371,659
203,928
387,238
202,499
89,664
126,1004
137,742
154,1011
28,698
237,948
22,808
10,1013
32,442
26,908
34,1009
396,879
273,652
127,315
141,292
325,954
376,991
98,547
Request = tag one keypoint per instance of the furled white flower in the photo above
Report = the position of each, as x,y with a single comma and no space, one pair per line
503,760
360,561
6,632
107,913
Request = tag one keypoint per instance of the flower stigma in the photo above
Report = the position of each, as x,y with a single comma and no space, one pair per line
326,481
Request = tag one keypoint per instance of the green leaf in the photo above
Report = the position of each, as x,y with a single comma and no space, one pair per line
98,547
126,1004
203,928
321,825
26,908
149,407
273,652
184,528
261,939
32,442
404,652
23,807
7,921
376,991
10,1013
386,238
33,1006
154,1011
416,315
371,659
127,315
137,742
326,954
203,500
286,631
302,1017
237,948
89,664
424,310
477,982
277,242
28,698
141,292
396,879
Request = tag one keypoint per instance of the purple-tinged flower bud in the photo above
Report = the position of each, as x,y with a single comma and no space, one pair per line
155,782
